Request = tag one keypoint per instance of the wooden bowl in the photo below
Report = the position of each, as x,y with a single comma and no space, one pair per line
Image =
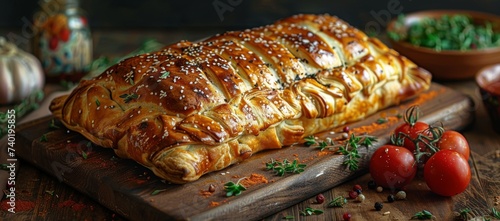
488,81
449,65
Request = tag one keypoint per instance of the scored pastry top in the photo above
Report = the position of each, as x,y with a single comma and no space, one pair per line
235,84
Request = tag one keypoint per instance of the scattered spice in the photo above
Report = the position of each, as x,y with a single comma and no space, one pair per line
21,205
213,203
205,193
254,179
375,126
72,204
378,206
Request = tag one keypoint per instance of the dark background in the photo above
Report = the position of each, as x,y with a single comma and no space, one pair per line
160,14
194,20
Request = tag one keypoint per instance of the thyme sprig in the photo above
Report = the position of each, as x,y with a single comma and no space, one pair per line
338,201
350,150
21,109
280,168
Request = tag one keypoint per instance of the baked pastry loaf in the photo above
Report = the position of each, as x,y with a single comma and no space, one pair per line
193,108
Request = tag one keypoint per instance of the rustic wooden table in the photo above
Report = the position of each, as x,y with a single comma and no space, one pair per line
42,197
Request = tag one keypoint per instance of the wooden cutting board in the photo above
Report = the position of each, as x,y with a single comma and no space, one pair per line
136,193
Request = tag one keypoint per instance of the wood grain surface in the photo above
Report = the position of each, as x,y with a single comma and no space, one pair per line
126,188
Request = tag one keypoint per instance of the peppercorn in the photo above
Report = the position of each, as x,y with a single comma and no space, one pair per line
401,195
380,189
320,198
360,198
353,194
357,187
346,129
372,185
211,188
346,216
379,206
390,198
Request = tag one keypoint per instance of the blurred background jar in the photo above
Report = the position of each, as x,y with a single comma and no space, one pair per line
62,41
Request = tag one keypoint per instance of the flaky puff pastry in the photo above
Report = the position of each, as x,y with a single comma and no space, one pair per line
194,108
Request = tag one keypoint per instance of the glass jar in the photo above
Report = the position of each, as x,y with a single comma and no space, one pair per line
62,40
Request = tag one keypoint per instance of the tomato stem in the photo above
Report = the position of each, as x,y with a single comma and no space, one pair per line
412,115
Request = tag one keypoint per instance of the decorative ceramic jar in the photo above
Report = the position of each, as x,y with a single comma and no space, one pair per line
63,41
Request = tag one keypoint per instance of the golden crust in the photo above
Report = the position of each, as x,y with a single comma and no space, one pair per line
194,108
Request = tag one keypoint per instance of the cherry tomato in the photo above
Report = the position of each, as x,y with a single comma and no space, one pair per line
447,173
453,140
410,133
392,166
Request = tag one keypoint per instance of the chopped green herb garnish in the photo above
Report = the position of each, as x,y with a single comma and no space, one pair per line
53,125
50,192
165,74
280,168
310,140
97,102
288,217
448,32
234,189
3,166
310,211
128,97
382,120
424,214
463,214
43,138
495,213
338,201
84,155
155,192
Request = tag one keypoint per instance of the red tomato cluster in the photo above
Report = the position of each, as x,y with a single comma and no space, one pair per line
444,153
